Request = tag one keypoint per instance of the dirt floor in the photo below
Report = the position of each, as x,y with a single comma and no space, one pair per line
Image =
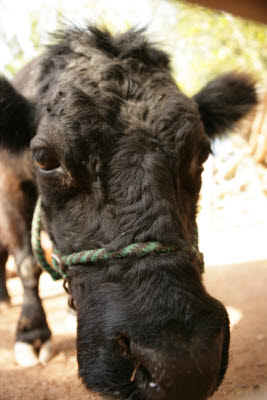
242,288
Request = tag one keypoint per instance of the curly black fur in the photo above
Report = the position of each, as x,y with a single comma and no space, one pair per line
129,149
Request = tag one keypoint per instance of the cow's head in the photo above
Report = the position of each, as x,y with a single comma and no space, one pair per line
118,153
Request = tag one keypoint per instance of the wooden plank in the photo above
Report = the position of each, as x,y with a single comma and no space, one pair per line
250,9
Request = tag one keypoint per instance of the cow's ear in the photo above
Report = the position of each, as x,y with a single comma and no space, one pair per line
224,100
16,118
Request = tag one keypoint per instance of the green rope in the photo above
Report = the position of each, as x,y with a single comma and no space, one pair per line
36,243
60,263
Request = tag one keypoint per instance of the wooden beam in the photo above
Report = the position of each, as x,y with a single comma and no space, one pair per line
250,9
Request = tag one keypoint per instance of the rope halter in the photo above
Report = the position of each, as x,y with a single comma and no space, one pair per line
60,263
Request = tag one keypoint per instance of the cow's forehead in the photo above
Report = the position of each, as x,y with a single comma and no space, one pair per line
90,109
97,95
118,88
86,121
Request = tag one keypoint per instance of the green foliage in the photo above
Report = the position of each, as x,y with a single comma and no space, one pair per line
35,34
18,56
213,42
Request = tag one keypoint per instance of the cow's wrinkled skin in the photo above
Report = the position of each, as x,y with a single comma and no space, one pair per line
118,151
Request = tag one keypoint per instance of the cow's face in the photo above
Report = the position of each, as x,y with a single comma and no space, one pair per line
146,327
113,171
118,154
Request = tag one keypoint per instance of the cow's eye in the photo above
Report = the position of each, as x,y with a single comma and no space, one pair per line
45,160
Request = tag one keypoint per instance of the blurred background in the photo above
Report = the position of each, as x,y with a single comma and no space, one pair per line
233,203
202,43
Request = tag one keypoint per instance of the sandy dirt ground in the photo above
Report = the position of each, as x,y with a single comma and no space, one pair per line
241,287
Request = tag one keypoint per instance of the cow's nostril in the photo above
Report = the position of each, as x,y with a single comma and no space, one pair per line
139,372
123,344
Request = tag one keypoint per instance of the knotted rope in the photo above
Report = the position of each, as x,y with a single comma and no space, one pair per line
60,263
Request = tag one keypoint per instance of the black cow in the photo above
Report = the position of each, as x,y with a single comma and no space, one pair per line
117,154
